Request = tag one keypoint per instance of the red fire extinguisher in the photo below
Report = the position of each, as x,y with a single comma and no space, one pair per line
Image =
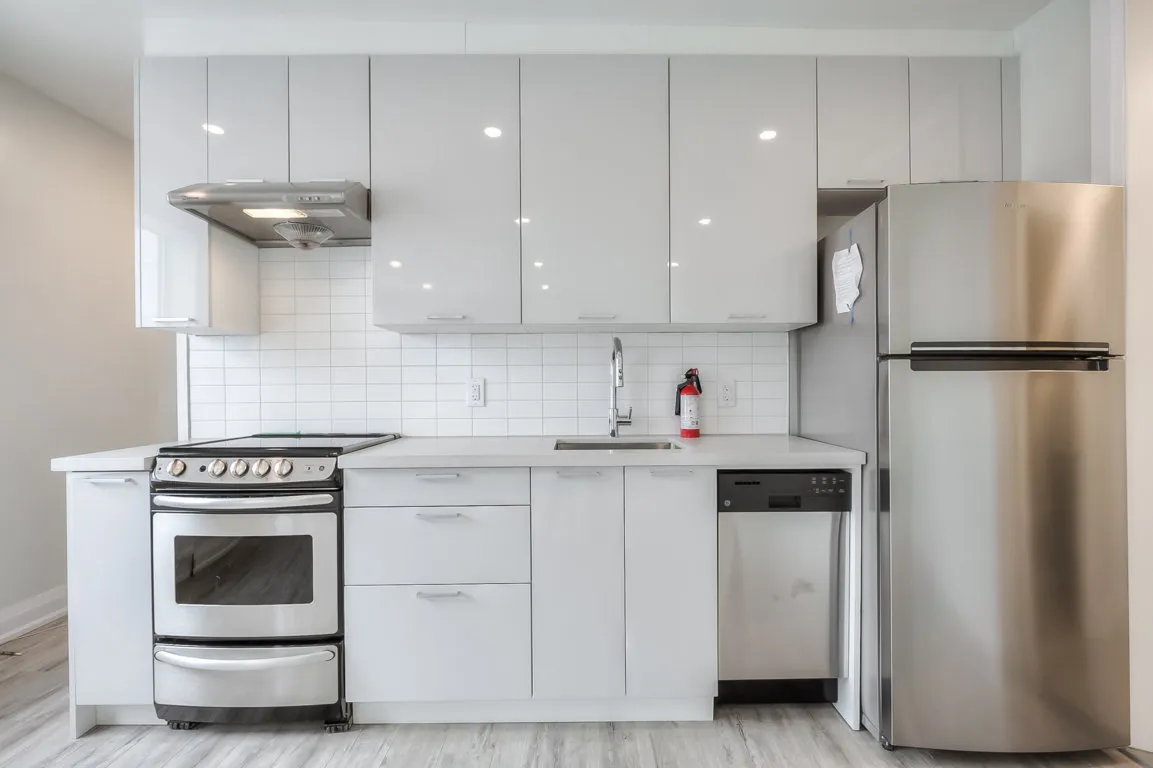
688,403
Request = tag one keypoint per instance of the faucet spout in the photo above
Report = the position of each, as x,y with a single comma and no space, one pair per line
616,381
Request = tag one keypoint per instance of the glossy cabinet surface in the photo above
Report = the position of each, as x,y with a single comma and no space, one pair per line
955,119
328,118
172,254
248,109
671,581
445,190
743,163
595,212
110,588
862,121
578,599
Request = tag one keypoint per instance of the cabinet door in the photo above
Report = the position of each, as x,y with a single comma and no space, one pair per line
578,598
110,588
743,175
248,109
458,642
862,121
328,118
594,151
445,190
671,581
955,119
172,249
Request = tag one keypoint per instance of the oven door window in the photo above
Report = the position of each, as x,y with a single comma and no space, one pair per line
244,570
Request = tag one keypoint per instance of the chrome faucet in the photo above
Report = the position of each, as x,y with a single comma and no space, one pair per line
616,381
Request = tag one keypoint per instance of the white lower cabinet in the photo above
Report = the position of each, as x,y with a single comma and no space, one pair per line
461,642
671,581
110,588
578,616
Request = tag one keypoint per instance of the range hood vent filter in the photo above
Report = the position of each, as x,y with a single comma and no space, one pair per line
302,235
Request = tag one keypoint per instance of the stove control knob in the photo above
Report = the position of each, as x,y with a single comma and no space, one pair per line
283,468
261,468
217,468
176,467
239,468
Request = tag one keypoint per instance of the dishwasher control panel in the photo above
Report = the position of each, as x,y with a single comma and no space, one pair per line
787,491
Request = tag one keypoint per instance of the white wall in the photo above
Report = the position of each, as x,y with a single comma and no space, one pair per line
320,365
75,374
1056,132
1139,173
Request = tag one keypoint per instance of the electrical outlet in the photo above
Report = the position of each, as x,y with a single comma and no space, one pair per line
474,394
728,395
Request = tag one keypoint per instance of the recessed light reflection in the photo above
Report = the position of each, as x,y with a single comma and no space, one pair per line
544,287
492,132
215,130
704,222
538,264
427,286
395,264
768,135
522,220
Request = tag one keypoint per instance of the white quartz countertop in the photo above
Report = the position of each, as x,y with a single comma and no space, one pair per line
136,459
729,452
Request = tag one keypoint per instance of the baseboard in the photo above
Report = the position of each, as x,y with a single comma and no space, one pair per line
1139,756
537,711
33,613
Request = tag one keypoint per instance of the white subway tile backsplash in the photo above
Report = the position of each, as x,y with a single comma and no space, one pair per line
320,364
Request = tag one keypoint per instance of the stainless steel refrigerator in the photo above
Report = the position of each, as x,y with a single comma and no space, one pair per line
982,370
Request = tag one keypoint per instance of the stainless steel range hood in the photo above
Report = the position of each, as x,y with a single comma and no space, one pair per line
279,215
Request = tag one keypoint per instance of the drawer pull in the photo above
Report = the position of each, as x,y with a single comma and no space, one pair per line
446,317
440,595
573,474
109,480
604,316
865,182
745,316
433,516
439,476
670,472
174,319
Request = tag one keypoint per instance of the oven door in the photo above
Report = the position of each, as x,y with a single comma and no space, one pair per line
255,567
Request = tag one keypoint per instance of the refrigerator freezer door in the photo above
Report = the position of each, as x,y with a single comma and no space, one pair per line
1002,262
1003,547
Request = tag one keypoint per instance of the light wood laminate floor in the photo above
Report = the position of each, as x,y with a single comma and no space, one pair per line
34,732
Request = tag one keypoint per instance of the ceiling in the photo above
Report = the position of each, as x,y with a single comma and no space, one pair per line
80,52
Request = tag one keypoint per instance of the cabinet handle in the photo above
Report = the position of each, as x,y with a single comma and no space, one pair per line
438,476
174,319
865,182
670,472
572,474
244,181
440,595
110,480
597,317
446,317
439,515
745,316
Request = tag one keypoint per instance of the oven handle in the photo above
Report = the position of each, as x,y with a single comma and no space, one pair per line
240,502
243,665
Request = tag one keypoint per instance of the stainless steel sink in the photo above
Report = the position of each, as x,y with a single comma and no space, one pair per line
615,445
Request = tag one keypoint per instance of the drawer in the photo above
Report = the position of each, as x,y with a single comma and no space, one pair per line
442,545
436,487
445,643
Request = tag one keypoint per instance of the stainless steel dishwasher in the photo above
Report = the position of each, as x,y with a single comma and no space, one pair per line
781,548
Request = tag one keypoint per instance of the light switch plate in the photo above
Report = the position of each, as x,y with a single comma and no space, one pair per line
728,395
474,394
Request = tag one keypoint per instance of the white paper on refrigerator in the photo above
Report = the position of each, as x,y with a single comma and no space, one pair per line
847,269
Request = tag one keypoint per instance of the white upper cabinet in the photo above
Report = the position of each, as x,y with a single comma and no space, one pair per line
328,118
445,190
190,277
594,149
955,119
248,118
862,121
578,598
743,174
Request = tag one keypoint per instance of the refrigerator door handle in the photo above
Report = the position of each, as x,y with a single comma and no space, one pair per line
1075,365
1075,348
